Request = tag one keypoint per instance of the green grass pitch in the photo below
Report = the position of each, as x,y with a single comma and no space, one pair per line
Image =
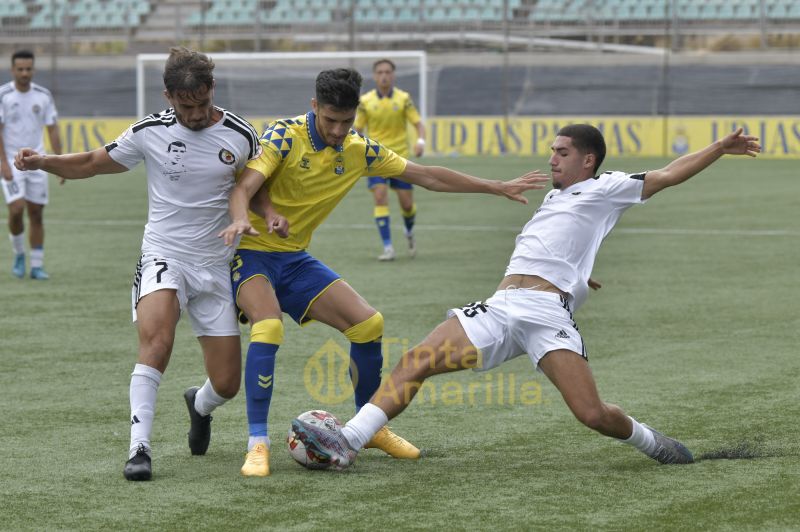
694,332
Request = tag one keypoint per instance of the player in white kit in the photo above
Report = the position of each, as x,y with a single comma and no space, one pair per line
187,241
26,108
546,280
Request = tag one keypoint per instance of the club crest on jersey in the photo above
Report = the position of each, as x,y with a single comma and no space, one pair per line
305,164
339,168
36,109
226,157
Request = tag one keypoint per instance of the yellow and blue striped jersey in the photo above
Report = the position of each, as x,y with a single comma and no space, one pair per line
385,118
307,178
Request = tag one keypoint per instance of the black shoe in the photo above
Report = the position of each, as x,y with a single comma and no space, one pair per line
200,429
139,467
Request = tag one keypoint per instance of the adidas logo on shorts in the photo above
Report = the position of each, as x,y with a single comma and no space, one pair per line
562,334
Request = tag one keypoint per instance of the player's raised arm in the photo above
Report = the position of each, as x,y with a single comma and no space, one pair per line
691,164
71,165
440,179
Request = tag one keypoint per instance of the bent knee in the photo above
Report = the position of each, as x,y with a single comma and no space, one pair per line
228,386
267,331
369,330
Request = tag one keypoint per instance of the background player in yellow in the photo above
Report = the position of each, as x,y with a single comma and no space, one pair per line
384,113
308,163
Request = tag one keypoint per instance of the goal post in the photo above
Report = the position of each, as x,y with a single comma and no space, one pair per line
279,84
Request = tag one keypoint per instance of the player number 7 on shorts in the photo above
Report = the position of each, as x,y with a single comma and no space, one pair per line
162,270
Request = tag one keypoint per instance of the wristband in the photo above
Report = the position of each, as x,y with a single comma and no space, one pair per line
421,142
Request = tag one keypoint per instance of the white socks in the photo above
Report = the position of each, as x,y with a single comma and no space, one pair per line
207,399
641,438
143,392
37,257
17,243
359,430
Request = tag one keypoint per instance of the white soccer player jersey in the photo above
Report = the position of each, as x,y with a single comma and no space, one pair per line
190,175
24,116
562,239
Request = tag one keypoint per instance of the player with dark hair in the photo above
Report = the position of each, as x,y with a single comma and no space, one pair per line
187,243
385,113
546,280
26,108
308,164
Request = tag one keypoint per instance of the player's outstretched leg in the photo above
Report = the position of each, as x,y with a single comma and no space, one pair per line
200,426
139,467
326,442
570,373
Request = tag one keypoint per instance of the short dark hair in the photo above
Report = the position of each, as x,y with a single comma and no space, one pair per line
586,139
382,61
339,88
177,144
21,54
187,71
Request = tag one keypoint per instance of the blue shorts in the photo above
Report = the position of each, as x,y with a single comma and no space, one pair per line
393,183
297,278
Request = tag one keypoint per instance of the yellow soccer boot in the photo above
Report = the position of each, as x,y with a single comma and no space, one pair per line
256,464
392,444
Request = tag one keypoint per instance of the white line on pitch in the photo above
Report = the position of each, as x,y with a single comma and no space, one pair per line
487,228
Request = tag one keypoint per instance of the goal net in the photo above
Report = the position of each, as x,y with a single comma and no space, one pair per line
264,86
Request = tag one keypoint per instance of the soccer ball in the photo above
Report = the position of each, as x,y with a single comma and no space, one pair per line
304,456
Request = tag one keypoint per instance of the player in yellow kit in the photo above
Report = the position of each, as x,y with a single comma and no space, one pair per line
307,165
385,113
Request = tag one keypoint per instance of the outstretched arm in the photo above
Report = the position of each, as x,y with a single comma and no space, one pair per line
440,179
685,167
71,165
55,144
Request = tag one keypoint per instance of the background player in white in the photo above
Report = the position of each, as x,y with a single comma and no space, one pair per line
531,312
184,262
26,108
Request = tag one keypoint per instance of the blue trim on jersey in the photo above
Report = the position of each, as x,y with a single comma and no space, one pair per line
297,277
393,183
316,141
389,96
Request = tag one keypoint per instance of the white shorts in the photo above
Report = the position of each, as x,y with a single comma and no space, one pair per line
30,185
518,321
203,292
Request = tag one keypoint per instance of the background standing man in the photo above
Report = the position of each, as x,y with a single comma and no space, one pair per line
25,109
385,113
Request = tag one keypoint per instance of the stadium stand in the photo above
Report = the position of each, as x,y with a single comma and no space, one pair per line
78,14
115,14
148,24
